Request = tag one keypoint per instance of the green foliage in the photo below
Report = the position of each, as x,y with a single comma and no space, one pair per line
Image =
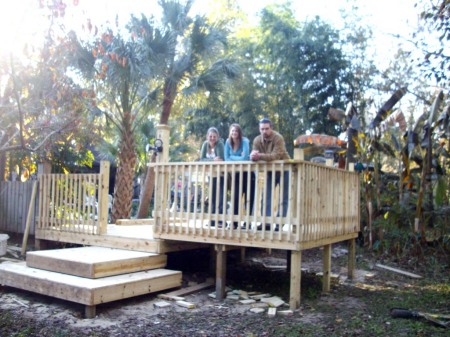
436,18
292,72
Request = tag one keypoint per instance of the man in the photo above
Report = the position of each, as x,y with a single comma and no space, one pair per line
269,146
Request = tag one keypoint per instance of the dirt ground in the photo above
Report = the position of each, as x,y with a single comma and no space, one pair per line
345,311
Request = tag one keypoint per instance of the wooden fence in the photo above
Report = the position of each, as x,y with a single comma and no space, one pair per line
14,205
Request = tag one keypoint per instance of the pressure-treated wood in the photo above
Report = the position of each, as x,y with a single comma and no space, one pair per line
323,204
29,215
221,271
351,258
76,203
296,278
94,262
89,292
134,222
323,209
326,268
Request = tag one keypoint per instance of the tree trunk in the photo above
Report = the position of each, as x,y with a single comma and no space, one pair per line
123,188
147,191
170,91
2,166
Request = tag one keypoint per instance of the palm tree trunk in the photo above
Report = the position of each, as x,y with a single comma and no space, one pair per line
170,92
147,191
123,188
149,185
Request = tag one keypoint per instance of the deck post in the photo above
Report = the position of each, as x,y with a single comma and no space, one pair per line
89,311
351,258
351,244
326,268
242,254
299,154
103,196
296,276
221,271
163,133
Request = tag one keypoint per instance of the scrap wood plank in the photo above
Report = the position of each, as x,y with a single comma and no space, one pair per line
399,271
191,289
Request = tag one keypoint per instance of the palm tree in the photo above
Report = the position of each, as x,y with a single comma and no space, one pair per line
197,63
121,70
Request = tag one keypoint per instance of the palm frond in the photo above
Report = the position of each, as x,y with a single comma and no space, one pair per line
175,14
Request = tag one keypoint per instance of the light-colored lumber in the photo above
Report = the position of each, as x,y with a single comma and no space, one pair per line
221,271
191,289
351,259
29,214
89,311
170,298
326,268
398,271
134,222
296,274
185,304
94,262
285,312
87,291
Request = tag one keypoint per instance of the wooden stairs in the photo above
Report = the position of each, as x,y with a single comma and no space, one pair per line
90,275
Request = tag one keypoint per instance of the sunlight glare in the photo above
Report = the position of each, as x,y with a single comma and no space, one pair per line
20,26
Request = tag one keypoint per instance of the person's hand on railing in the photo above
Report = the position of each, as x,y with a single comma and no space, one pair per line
254,155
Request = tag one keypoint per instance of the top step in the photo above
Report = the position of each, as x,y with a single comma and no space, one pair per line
94,262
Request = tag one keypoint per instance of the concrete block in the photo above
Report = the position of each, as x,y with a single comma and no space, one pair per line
161,304
185,304
272,312
274,301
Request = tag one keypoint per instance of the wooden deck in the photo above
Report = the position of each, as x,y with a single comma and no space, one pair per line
130,237
322,209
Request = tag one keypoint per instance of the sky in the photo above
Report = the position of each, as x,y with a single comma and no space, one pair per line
19,23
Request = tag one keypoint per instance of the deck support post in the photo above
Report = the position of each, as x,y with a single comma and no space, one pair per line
351,258
326,268
296,276
242,254
288,260
221,271
40,244
89,311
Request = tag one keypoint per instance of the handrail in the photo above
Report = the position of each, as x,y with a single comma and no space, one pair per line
322,203
76,203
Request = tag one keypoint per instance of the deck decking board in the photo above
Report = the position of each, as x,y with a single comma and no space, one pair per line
84,290
94,262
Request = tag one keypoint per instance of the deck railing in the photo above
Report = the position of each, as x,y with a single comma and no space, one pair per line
322,203
76,203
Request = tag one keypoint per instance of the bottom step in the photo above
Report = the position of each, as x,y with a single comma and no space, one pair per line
87,291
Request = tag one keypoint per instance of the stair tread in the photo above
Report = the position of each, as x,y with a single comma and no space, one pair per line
94,262
86,290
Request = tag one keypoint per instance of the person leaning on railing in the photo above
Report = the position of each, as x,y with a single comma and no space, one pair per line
237,148
213,150
269,146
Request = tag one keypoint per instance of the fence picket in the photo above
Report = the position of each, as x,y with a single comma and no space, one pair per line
14,203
